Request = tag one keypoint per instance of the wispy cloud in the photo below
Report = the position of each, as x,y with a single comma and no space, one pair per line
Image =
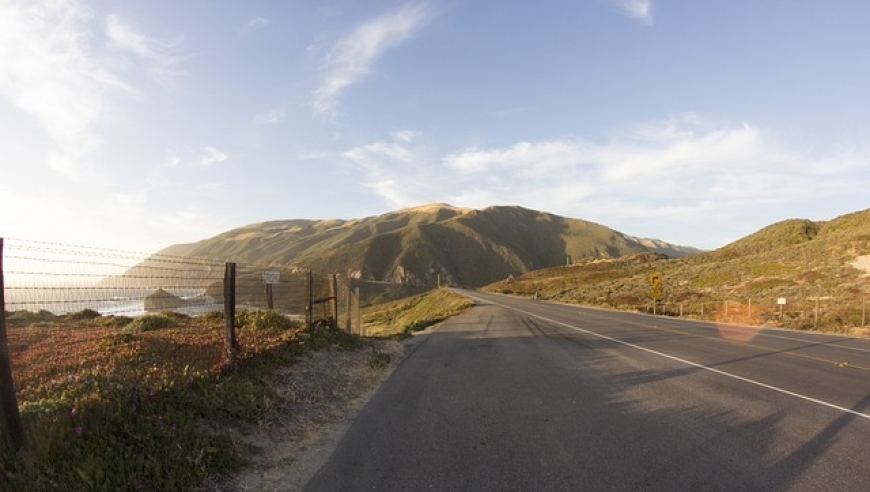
392,170
172,161
164,68
660,178
638,9
352,56
255,23
48,70
270,117
674,171
406,135
210,156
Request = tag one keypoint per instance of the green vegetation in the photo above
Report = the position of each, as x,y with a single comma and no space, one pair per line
265,319
797,260
405,316
108,408
149,322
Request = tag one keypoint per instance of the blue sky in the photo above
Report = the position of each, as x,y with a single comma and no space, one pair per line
140,124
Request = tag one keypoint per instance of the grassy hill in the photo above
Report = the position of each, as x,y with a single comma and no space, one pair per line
809,264
418,245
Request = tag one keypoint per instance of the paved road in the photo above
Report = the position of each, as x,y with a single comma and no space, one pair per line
526,395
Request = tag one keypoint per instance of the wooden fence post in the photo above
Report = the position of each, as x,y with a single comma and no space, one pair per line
230,309
8,402
333,294
309,307
358,312
864,310
349,308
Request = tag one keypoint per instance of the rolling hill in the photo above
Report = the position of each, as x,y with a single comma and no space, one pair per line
419,245
821,270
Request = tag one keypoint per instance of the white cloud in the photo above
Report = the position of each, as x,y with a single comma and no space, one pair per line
352,56
674,172
210,156
172,161
406,136
269,117
164,63
255,23
381,149
530,158
49,71
680,178
638,9
391,170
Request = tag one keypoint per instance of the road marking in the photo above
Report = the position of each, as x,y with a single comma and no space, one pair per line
750,344
691,363
748,329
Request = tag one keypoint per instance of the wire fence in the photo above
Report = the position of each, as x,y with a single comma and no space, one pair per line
45,286
61,279
820,312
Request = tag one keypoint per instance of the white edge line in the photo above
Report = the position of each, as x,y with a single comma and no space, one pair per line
758,330
693,364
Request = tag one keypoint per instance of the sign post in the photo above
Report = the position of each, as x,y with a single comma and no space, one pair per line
270,278
781,302
655,282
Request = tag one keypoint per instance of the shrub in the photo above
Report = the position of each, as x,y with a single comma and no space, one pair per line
24,318
261,320
212,317
84,314
149,322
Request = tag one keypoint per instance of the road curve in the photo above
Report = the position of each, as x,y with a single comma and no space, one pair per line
526,395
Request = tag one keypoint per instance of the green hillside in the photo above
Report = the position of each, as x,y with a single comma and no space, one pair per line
822,266
418,245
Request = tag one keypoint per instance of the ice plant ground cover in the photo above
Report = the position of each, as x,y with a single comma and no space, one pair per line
113,403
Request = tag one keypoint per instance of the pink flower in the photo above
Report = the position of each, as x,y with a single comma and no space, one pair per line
73,411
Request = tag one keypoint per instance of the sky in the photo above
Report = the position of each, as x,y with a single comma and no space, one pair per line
137,124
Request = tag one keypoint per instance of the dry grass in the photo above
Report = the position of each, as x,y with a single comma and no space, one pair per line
315,392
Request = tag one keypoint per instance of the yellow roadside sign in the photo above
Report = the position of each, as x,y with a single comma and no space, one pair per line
655,283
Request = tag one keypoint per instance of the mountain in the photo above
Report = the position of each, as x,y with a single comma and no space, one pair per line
821,269
665,248
419,245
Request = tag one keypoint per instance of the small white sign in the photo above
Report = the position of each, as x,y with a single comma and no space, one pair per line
271,277
781,301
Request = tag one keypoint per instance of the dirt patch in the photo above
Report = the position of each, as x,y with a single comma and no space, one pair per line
317,399
863,263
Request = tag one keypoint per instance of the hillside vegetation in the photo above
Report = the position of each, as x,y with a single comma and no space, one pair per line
420,245
412,314
820,269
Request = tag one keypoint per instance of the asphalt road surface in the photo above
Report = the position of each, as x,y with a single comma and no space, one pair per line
527,395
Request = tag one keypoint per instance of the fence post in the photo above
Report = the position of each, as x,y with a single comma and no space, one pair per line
358,311
309,307
230,309
8,401
333,294
864,310
349,308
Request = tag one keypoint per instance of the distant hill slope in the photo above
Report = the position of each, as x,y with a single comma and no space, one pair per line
798,260
417,245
